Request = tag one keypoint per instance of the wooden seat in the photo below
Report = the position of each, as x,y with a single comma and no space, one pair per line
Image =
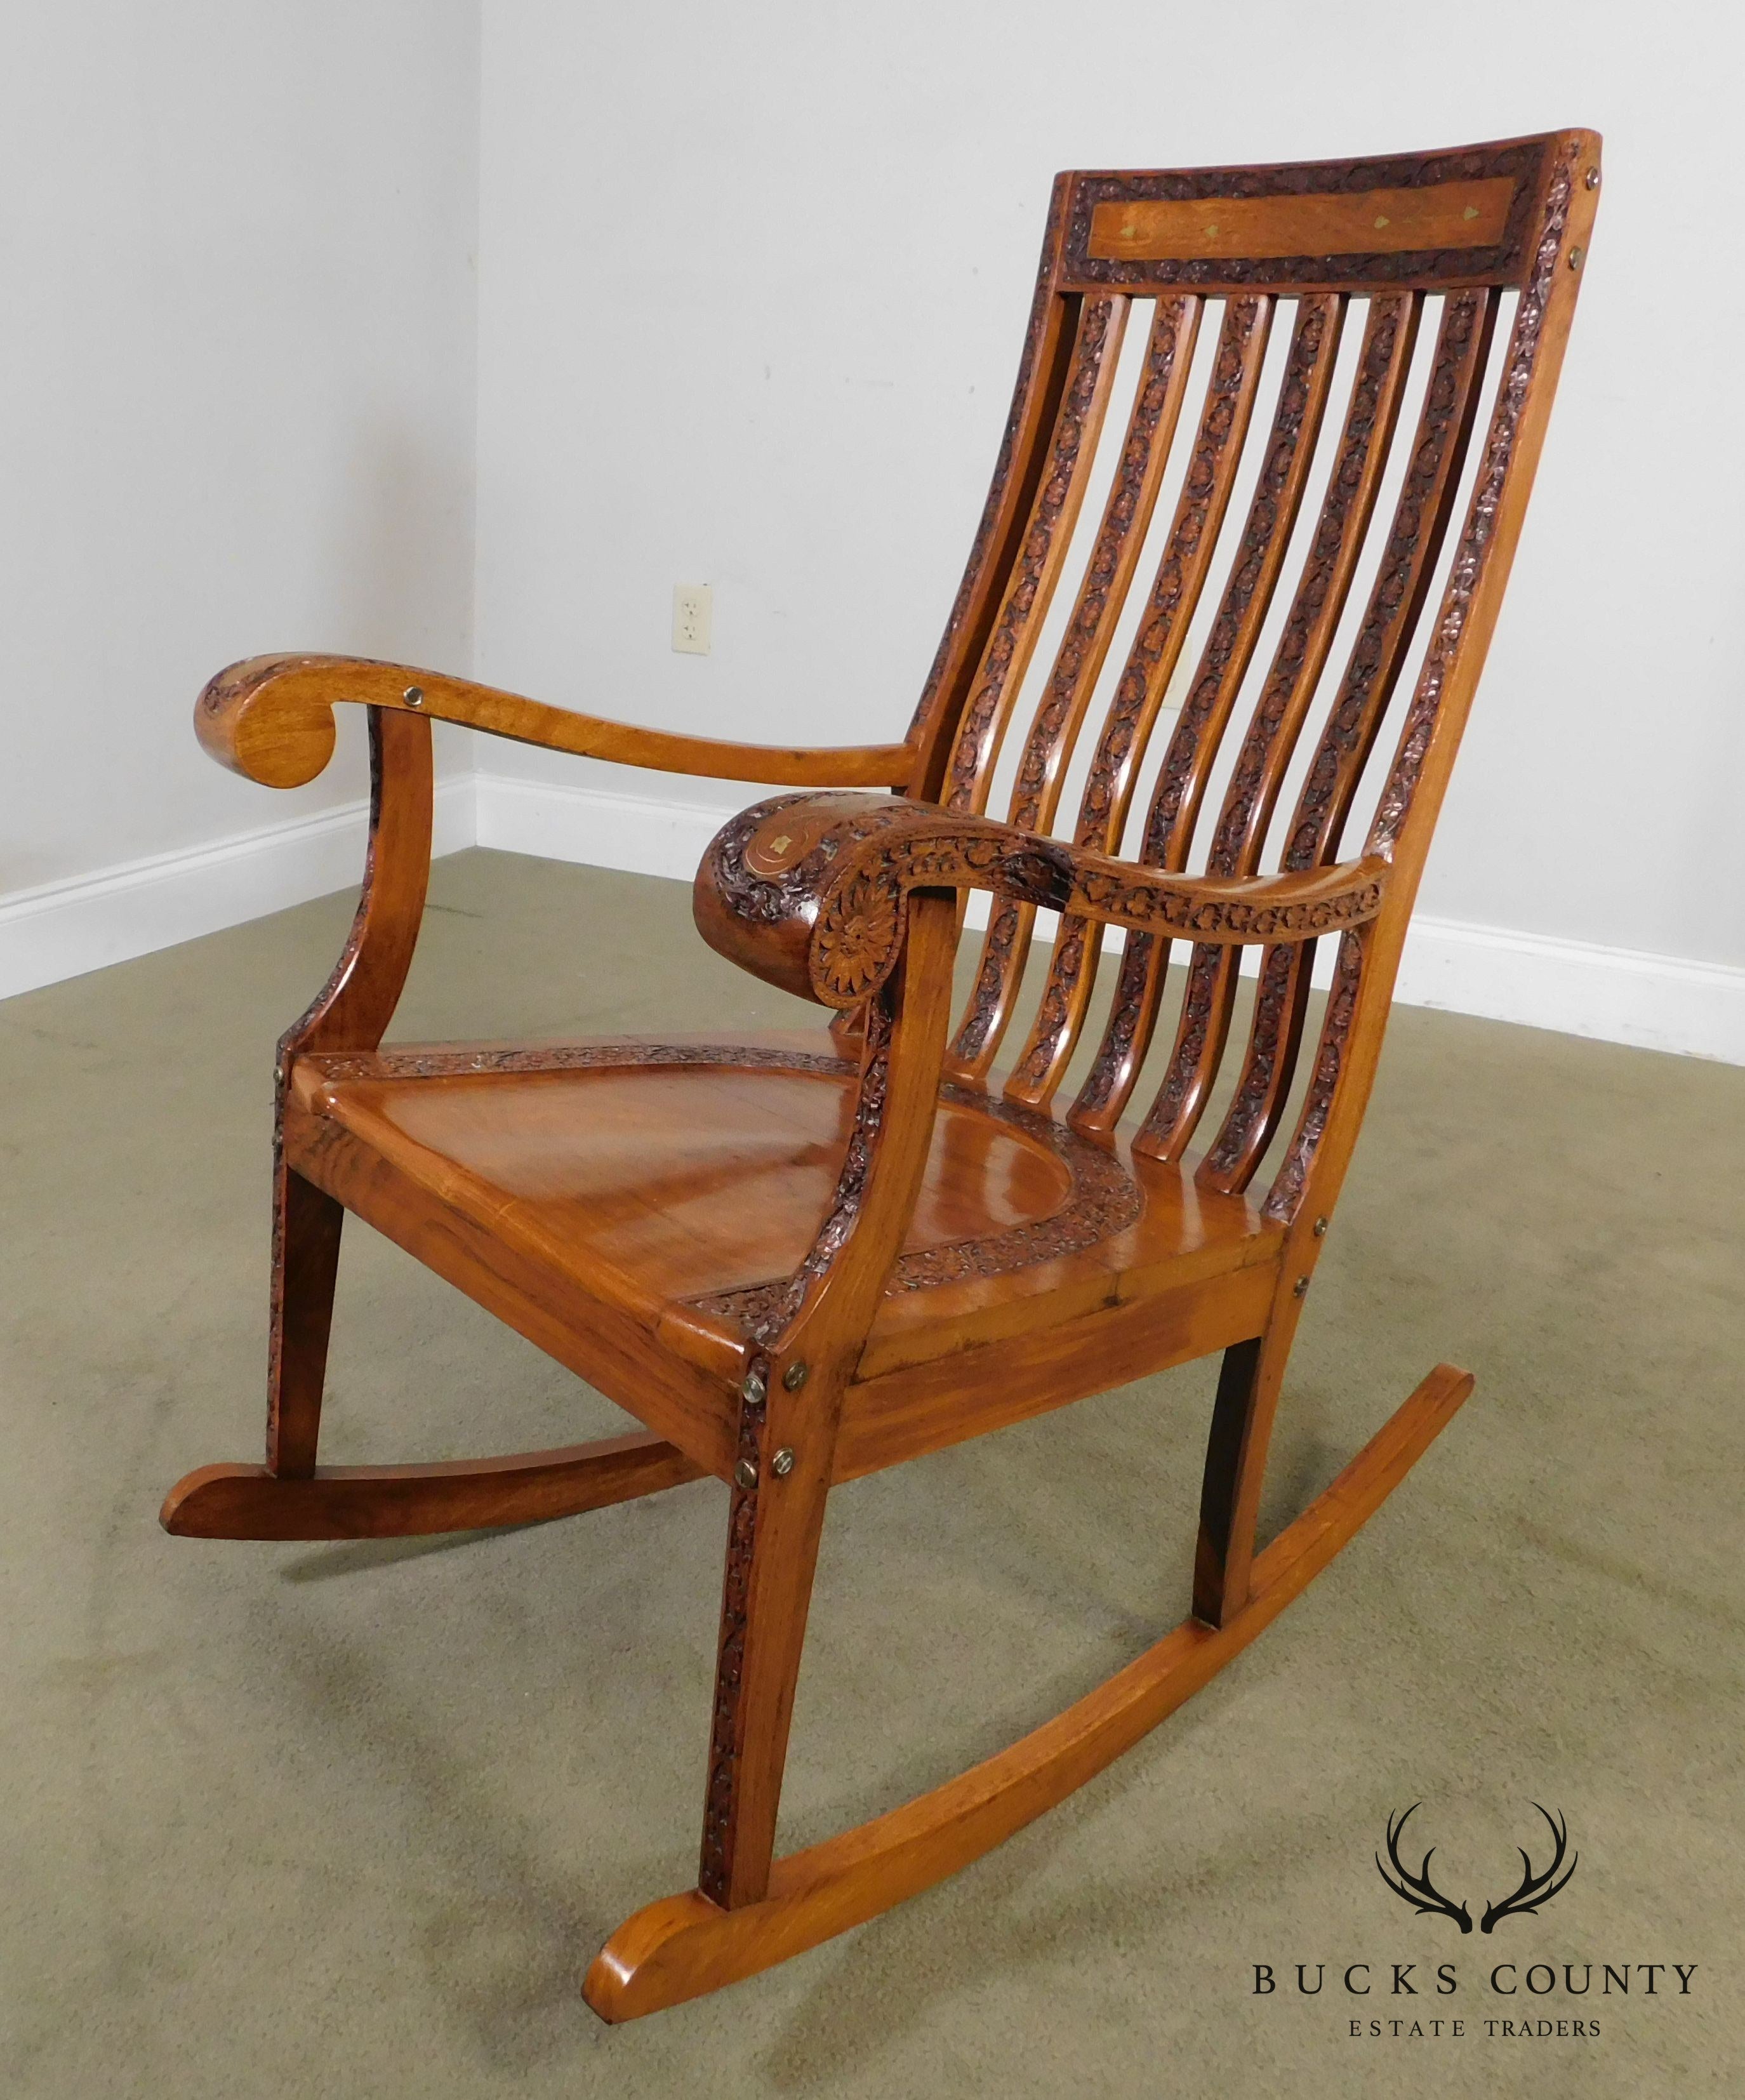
1275,428
681,1184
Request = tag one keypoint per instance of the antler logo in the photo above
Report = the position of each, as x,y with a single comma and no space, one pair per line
1417,1889
1422,1893
1535,1888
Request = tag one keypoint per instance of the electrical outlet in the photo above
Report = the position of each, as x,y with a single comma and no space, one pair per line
693,615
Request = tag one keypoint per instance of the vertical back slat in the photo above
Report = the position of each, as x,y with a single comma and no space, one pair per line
1071,450
1043,369
1193,747
1316,609
1127,518
1421,521
1146,675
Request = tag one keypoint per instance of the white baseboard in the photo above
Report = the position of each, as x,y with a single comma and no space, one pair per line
62,929
642,835
1616,995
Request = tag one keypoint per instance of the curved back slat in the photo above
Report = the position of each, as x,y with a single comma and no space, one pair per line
1025,605
1145,678
1223,664
1328,568
1133,496
1396,601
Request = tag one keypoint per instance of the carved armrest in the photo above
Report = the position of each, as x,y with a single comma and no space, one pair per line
806,891
271,719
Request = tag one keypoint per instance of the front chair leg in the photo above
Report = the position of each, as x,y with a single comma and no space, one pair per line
780,1485
306,1223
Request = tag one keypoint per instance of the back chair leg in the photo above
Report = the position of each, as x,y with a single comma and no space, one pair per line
306,1223
291,1497
1235,1467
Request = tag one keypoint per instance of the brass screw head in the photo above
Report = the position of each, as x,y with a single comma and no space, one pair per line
752,1387
782,1464
1320,1228
413,696
1594,178
1576,255
745,1474
1300,1289
795,1375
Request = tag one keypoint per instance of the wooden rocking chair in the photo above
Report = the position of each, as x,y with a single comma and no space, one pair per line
798,1265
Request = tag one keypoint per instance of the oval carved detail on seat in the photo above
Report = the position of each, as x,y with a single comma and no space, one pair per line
1088,1198
1104,1200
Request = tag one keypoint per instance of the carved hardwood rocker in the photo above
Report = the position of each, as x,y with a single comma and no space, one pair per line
798,1265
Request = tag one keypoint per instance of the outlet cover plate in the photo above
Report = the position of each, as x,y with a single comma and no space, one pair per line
693,618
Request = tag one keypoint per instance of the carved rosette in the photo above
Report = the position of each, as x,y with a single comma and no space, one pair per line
857,940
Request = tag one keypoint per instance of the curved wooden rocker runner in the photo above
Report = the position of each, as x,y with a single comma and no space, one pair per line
797,1260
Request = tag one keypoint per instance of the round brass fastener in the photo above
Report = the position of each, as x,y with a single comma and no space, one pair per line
1320,1228
782,1464
795,1375
413,696
752,1386
1300,1289
745,1474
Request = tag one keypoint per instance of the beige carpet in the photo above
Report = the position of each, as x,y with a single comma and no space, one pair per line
349,1819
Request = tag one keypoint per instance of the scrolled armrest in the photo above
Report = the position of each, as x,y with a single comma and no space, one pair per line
271,719
806,891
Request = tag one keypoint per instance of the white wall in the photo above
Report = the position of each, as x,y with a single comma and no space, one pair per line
238,289
753,282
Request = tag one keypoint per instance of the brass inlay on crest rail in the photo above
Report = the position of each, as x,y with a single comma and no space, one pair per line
1360,223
